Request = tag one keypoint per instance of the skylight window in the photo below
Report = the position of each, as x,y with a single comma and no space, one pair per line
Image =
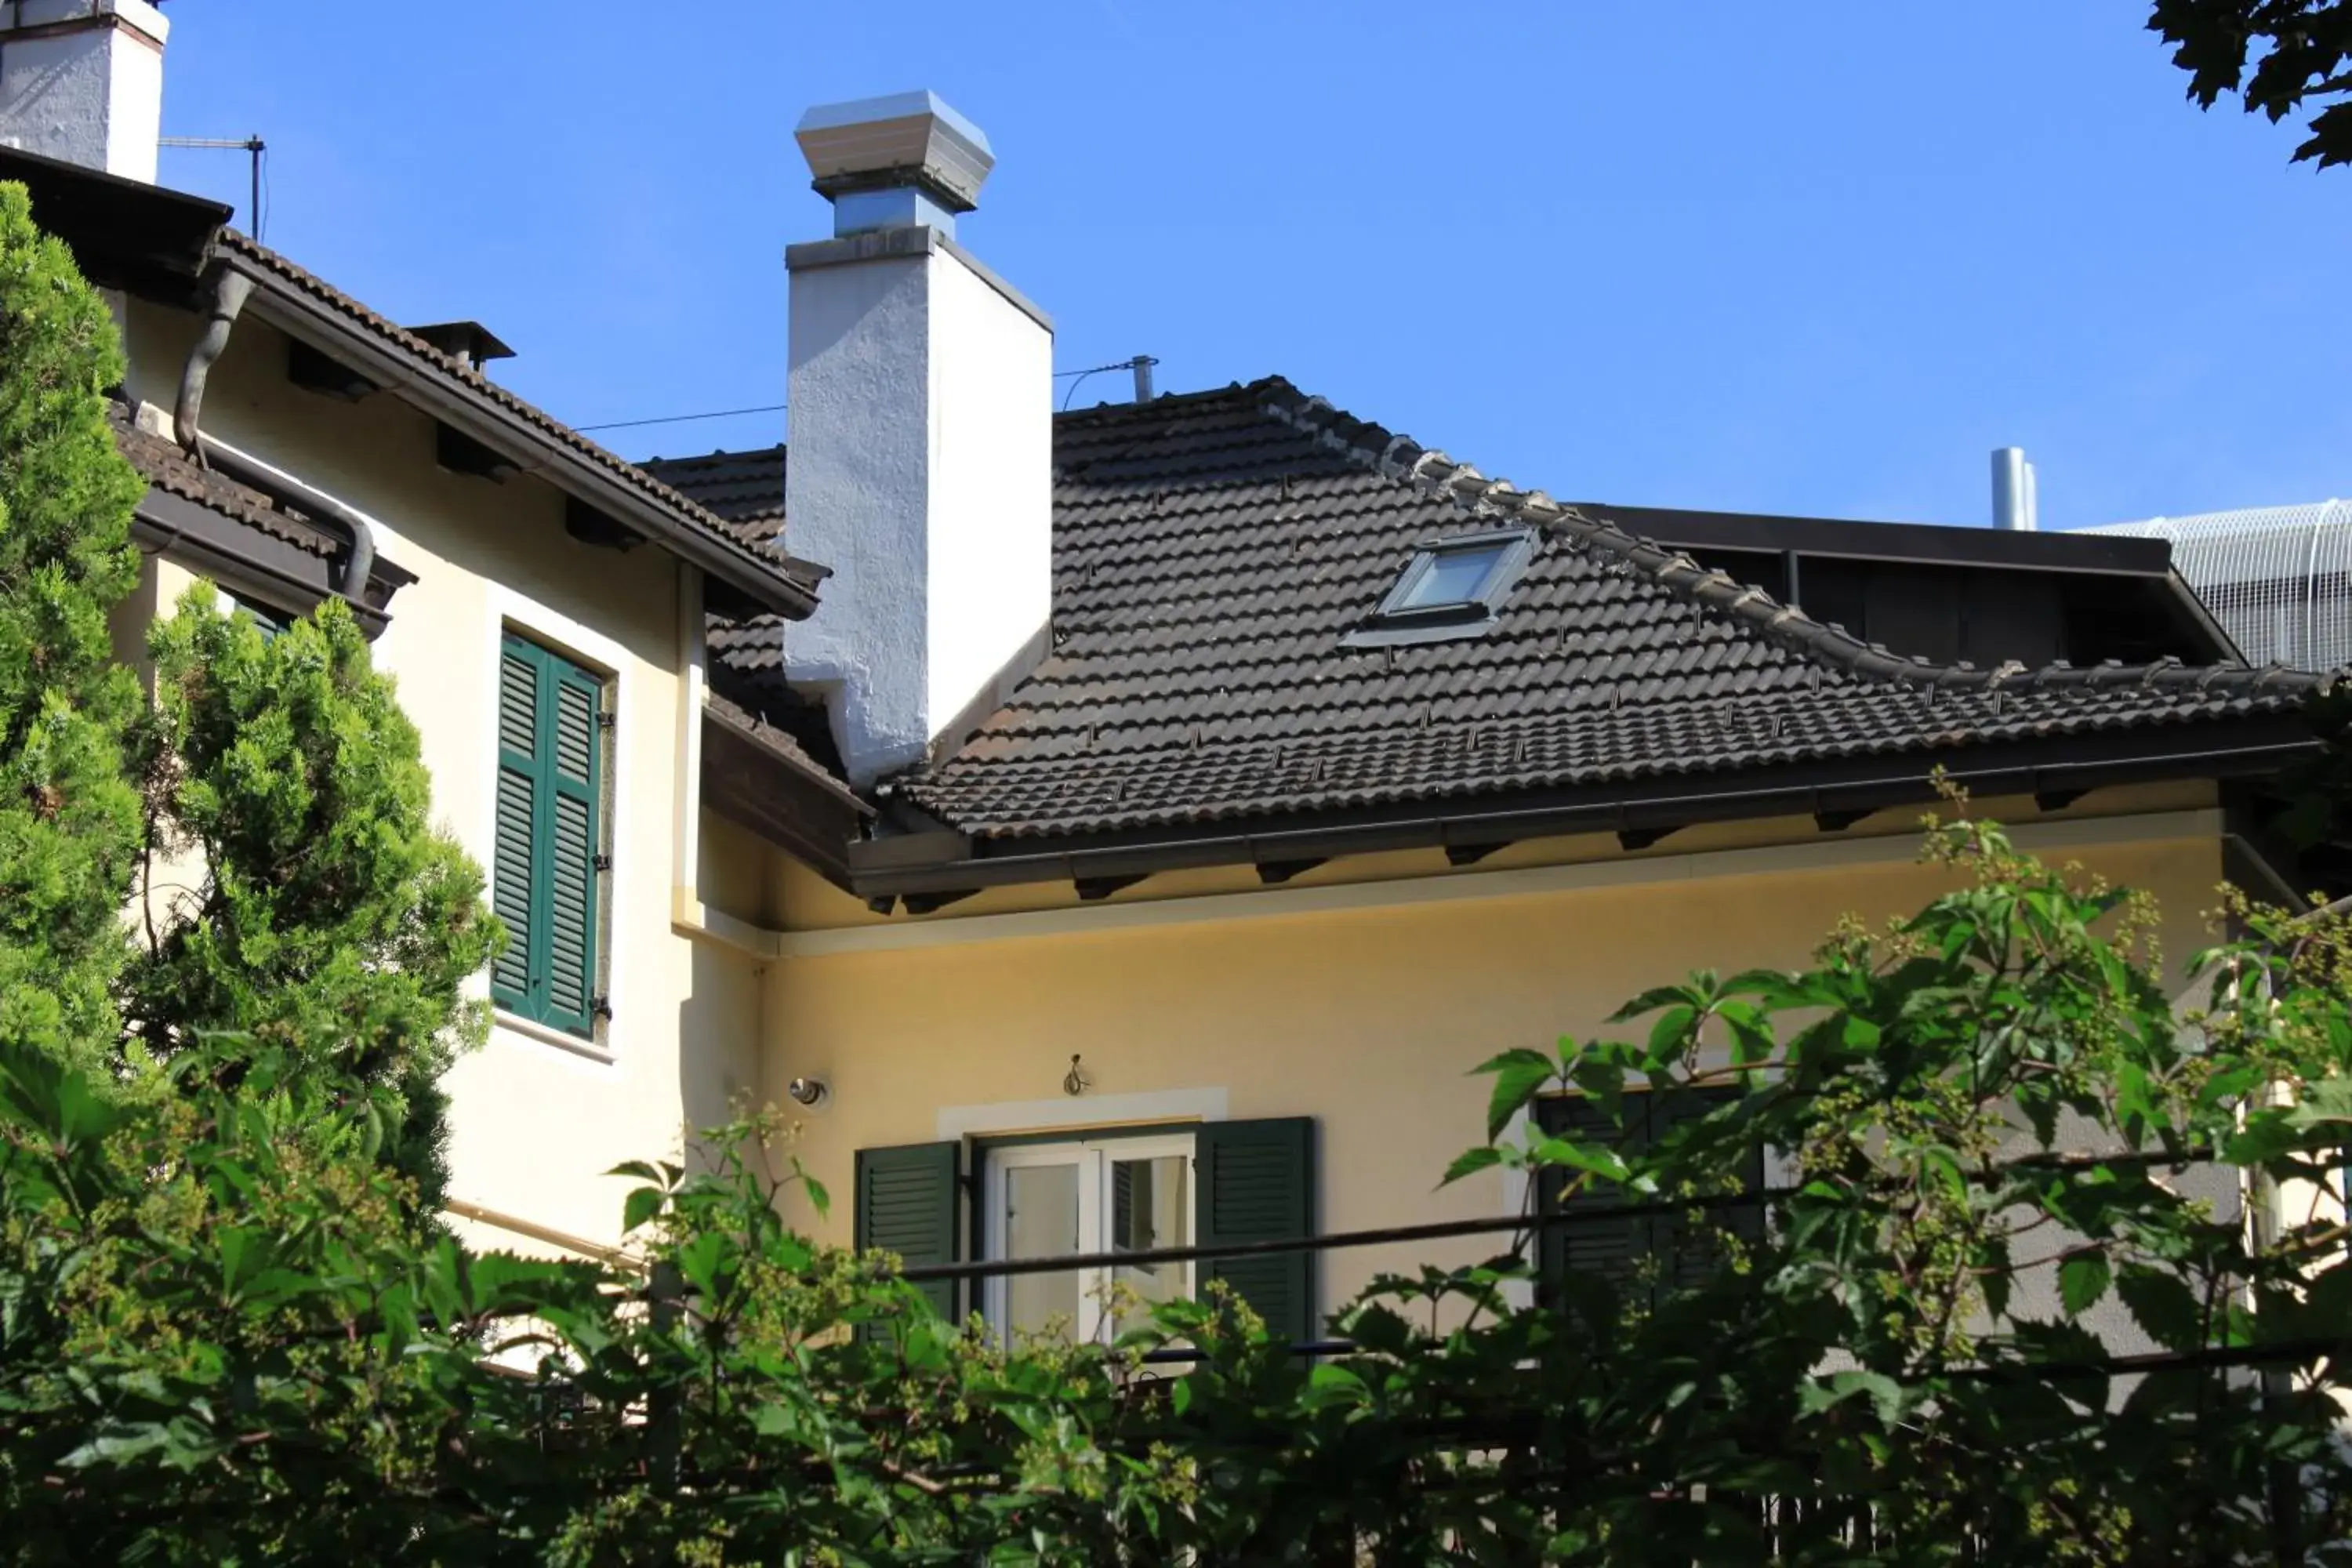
1451,588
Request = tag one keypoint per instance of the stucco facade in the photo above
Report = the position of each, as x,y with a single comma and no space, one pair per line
1362,994
538,1115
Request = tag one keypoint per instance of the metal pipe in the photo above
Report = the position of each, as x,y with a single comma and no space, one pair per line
1141,364
230,289
358,561
2013,491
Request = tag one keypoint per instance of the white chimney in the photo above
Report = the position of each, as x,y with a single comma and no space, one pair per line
921,437
82,80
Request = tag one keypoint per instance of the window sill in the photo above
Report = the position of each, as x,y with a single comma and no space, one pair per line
531,1029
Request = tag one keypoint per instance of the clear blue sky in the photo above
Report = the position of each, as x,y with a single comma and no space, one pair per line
1815,257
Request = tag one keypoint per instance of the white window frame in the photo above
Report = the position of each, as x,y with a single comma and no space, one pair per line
1093,1157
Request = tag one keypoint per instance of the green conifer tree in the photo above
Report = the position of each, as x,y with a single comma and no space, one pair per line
334,920
329,923
69,816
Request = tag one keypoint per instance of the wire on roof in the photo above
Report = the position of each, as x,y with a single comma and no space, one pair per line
779,408
683,418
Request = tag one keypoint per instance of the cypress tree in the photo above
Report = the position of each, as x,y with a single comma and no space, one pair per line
328,923
69,814
333,918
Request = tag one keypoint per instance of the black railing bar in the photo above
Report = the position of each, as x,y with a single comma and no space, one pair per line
2222,1356
1174,1353
1435,1230
1439,1230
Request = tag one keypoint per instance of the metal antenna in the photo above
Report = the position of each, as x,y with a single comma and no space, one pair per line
253,146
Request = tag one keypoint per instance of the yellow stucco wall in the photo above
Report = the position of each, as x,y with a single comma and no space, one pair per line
1369,1019
536,1121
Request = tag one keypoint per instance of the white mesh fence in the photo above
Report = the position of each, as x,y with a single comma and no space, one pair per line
2278,579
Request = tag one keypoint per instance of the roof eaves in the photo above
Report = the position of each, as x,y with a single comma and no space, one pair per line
2252,744
304,305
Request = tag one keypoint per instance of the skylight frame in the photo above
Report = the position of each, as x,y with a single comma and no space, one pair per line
1399,620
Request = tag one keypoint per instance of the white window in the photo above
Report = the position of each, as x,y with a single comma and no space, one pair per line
1451,577
1451,588
1086,1197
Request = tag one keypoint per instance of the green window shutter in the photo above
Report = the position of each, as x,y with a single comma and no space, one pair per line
544,873
272,623
1609,1246
907,1204
512,894
572,850
1613,1246
1689,1254
1255,1181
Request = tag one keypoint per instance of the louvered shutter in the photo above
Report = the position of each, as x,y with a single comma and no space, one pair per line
1613,1246
513,893
543,871
907,1204
1591,1241
1256,1182
571,848
1689,1254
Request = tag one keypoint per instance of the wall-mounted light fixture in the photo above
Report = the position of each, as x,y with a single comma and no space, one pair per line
808,1092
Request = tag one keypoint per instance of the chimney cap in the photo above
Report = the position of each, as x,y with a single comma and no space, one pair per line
469,341
904,138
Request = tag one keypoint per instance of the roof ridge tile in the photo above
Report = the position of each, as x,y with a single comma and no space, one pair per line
1437,474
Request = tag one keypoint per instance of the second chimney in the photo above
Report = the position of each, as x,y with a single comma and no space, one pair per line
921,437
82,80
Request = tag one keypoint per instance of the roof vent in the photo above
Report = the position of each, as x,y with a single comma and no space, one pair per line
2014,503
470,343
906,161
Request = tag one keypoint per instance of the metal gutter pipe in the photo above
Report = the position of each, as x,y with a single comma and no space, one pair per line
358,561
230,289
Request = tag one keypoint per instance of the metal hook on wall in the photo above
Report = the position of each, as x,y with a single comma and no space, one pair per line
1075,1082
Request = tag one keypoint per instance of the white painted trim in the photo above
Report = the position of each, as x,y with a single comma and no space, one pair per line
1081,1112
693,650
1092,1157
691,918
505,1022
1823,855
536,621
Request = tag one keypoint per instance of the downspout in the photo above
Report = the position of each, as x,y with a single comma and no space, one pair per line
230,289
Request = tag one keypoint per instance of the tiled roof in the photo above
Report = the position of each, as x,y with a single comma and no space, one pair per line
1211,554
756,544
1212,550
167,468
743,488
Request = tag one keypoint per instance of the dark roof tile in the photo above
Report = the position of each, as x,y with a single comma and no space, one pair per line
168,468
757,543
1210,552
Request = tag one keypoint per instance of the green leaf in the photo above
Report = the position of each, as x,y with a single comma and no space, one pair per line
1484,1157
642,1205
1650,1002
1889,1399
2163,1305
2083,1281
1518,1075
819,1198
1590,1157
